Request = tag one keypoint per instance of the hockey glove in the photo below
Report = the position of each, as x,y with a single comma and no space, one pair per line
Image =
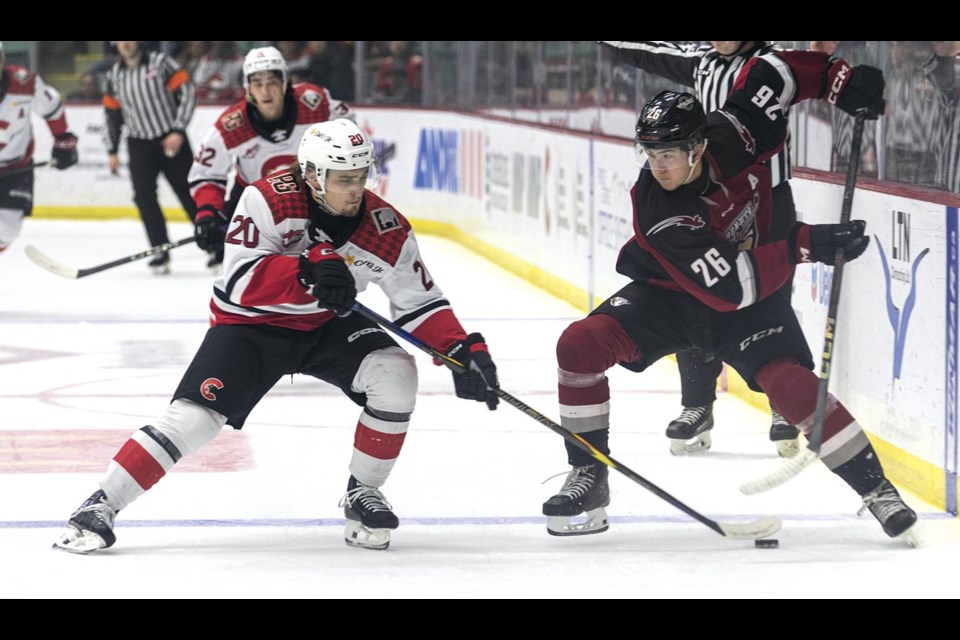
64,153
856,88
210,228
480,380
327,277
819,242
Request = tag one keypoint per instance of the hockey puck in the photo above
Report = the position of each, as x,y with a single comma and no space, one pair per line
766,543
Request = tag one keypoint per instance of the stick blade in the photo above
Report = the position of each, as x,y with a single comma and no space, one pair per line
789,469
47,263
762,528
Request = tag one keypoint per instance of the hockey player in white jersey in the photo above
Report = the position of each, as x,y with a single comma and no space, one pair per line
23,93
255,137
300,245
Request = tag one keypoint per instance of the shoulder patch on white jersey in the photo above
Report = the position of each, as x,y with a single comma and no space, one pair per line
311,99
21,76
385,219
232,120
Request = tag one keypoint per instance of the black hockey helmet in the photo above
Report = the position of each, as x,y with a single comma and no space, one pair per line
671,120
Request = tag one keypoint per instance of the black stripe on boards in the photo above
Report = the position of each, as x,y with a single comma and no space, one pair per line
163,441
413,315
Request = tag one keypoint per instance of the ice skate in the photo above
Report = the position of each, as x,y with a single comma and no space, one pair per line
90,528
784,435
160,264
369,516
890,510
690,432
585,490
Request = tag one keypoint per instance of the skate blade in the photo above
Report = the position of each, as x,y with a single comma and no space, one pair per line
787,448
696,444
82,542
595,522
357,535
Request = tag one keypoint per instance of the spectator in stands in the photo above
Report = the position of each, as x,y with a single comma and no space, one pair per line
400,75
296,56
192,53
943,70
89,90
217,76
331,66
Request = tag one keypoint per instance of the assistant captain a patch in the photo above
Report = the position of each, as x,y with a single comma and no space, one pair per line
385,219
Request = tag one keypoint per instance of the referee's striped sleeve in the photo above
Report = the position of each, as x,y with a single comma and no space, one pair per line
180,84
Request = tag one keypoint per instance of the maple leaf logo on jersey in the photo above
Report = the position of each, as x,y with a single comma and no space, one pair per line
694,222
292,236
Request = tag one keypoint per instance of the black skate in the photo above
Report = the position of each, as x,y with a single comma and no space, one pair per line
369,516
585,490
160,264
889,509
784,435
690,432
90,528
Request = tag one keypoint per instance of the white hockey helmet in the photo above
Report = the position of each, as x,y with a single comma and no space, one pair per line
263,59
339,145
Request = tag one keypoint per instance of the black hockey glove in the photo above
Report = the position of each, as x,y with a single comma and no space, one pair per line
480,379
64,153
819,242
327,277
210,228
856,88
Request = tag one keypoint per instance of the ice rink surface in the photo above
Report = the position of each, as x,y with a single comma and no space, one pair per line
84,363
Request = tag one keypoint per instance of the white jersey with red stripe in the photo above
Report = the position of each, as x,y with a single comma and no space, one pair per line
235,141
23,93
272,226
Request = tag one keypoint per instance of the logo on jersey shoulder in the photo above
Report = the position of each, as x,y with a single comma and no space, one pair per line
618,301
22,76
693,222
292,236
748,142
311,99
385,219
208,387
232,120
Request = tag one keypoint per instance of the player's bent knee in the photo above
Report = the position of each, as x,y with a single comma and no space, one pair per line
389,379
188,425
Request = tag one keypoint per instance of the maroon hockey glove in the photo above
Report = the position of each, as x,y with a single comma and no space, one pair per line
480,380
210,228
64,152
856,88
327,277
819,242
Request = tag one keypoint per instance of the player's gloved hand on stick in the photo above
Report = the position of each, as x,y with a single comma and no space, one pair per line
856,88
480,379
209,228
64,153
819,242
327,277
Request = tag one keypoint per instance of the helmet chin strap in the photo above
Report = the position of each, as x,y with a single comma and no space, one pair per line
693,163
320,200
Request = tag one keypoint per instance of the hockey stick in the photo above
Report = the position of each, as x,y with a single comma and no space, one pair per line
44,261
793,466
737,531
24,169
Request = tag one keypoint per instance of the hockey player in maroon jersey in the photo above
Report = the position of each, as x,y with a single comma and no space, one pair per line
256,136
703,273
299,246
23,93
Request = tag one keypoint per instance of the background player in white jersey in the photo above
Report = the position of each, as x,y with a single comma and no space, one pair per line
300,245
23,93
255,137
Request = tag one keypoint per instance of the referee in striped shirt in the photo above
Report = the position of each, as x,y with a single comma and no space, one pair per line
154,97
711,71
